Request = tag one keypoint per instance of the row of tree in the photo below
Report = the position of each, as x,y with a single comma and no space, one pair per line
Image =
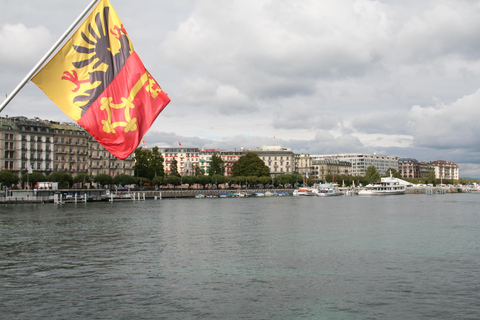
149,165
64,179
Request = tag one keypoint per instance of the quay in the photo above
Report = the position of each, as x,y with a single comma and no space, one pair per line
64,196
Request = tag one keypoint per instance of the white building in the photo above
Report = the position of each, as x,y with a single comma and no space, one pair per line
280,160
447,170
360,162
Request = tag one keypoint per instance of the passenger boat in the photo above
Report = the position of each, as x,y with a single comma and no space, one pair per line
328,190
388,186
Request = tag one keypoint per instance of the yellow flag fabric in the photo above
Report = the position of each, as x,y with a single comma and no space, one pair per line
70,87
98,80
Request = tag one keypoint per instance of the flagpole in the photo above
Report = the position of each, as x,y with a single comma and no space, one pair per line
46,56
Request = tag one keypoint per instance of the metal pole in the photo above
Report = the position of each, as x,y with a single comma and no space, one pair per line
46,56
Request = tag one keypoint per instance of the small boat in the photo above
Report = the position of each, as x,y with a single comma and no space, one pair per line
305,191
199,196
328,190
121,197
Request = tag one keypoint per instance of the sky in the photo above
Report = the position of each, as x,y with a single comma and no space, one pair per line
396,78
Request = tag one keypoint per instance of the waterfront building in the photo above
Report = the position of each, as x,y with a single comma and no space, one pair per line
70,142
229,158
303,165
360,162
412,168
100,161
187,159
334,167
280,160
26,144
48,146
445,170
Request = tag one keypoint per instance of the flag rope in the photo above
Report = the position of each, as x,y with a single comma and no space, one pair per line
46,56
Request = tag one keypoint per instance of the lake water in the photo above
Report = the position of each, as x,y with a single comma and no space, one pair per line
392,257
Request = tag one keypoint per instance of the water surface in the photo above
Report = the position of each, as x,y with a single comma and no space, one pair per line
392,257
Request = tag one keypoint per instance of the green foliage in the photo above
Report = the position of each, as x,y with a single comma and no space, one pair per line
372,175
174,168
252,181
240,180
189,180
216,165
250,165
219,179
198,171
204,180
431,178
265,181
103,179
8,179
33,178
155,164
288,179
124,179
158,181
64,179
148,163
173,179
395,173
82,178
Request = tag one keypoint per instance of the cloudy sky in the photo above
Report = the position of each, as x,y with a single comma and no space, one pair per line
399,78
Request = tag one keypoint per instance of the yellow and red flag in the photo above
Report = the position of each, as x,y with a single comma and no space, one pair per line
99,81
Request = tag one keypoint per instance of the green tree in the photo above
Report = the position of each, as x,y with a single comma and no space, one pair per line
8,179
124,179
216,165
218,179
141,162
155,164
103,179
173,180
174,168
265,180
431,178
239,180
198,171
250,165
158,181
82,178
33,178
148,163
190,180
64,179
394,172
204,180
372,175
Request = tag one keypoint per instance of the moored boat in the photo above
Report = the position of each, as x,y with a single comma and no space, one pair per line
305,191
388,186
328,190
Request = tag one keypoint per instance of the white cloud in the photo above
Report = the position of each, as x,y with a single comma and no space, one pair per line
21,47
398,77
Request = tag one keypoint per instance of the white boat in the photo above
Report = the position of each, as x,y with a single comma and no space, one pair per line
305,191
327,190
121,197
388,186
